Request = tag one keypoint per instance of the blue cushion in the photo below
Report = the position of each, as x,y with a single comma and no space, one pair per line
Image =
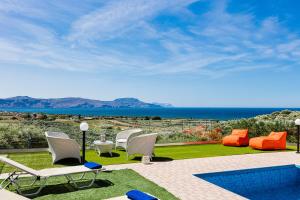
138,195
92,165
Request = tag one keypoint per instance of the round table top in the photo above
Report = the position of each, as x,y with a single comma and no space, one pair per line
107,142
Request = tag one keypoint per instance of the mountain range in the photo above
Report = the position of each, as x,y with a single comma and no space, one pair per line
74,102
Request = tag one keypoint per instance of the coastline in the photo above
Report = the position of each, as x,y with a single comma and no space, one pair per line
167,112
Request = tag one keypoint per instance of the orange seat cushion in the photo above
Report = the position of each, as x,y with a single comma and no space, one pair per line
275,141
238,137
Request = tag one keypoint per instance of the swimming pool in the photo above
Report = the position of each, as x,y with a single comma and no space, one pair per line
269,183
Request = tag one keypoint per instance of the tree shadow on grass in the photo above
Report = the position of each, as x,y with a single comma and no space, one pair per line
63,188
161,159
289,149
107,155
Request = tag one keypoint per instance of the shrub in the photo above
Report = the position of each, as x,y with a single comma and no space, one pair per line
203,139
286,112
156,118
214,136
41,116
52,117
26,116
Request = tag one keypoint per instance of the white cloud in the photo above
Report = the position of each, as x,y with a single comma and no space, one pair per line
118,17
121,37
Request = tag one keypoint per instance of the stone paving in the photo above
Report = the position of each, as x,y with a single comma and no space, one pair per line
177,176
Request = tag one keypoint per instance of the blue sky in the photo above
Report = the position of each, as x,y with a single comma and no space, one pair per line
185,52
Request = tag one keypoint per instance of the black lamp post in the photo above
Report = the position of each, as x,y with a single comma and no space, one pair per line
84,127
297,122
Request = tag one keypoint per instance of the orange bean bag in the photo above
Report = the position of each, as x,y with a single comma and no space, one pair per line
275,141
238,137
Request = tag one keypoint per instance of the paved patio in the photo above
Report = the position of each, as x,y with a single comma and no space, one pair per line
177,176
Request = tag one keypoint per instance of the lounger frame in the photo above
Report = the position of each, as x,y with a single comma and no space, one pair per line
14,179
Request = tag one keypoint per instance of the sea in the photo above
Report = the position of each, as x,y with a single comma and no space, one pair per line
170,112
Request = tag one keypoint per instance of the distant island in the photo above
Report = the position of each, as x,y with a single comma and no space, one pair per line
74,102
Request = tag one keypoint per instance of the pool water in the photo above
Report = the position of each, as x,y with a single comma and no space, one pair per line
270,183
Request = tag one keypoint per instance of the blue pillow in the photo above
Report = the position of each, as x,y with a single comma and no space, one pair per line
92,165
138,195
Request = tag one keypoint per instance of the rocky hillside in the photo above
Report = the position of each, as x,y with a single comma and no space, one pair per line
72,102
285,115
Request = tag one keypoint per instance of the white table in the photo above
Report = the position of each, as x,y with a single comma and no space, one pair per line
103,147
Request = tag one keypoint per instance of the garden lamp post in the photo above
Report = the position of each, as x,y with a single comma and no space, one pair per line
297,122
83,127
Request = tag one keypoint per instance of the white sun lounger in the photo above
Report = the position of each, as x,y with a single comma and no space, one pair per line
118,198
43,175
7,195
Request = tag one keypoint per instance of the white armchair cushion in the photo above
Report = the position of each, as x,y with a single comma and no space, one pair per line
142,144
57,135
121,140
123,137
61,146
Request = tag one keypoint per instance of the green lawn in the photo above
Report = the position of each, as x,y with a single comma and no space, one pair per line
108,185
42,160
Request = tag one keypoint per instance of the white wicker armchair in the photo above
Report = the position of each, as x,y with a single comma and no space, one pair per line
142,144
61,146
123,137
